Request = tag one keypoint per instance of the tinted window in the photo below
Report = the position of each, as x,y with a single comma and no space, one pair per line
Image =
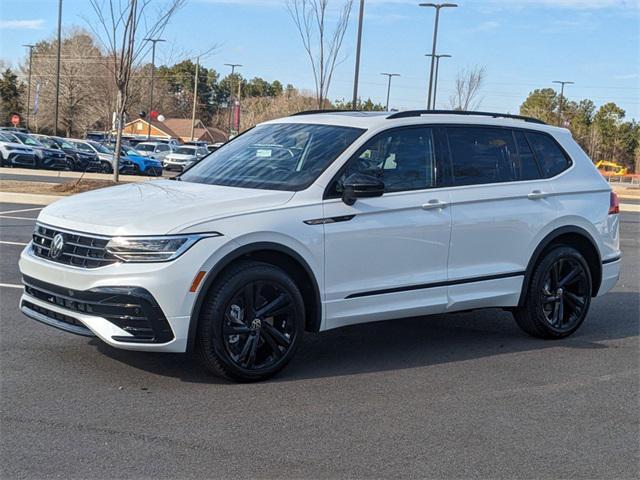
285,156
488,155
527,167
551,158
402,158
84,147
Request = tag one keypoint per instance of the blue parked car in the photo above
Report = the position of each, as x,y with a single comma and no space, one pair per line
142,165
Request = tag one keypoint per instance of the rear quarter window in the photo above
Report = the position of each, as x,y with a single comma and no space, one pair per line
550,156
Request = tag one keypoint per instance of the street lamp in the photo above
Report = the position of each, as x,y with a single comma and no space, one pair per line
57,102
389,75
435,82
30,47
153,69
563,83
233,69
437,6
357,73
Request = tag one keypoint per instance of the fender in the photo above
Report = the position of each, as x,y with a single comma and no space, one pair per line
546,241
235,255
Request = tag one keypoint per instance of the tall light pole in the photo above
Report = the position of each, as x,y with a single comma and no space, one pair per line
153,69
357,73
30,47
563,83
437,6
233,70
389,75
435,82
57,102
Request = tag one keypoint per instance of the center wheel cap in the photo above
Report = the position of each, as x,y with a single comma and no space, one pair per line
256,324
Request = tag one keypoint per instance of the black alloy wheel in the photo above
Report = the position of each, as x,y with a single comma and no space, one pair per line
251,322
559,295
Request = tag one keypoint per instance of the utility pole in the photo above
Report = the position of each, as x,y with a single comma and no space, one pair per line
563,83
358,45
389,76
57,103
195,98
153,69
233,70
435,82
28,111
437,6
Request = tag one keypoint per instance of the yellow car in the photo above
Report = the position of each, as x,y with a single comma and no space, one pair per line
611,168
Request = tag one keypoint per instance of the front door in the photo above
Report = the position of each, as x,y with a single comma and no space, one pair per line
386,257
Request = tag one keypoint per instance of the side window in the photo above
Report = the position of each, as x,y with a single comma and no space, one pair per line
551,158
162,148
402,158
483,155
527,166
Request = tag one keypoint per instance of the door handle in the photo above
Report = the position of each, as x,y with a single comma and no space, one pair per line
537,195
433,204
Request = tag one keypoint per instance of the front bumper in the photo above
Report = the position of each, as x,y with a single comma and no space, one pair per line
19,159
103,300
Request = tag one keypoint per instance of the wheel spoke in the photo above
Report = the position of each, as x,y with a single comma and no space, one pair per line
554,276
560,311
252,353
245,348
574,299
547,299
276,334
249,304
569,277
276,306
236,329
275,348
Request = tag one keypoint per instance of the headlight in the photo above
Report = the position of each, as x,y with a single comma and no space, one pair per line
153,249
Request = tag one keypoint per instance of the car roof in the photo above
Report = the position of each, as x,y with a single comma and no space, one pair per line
376,120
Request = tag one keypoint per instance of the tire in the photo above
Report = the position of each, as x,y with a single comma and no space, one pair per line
558,296
253,347
106,167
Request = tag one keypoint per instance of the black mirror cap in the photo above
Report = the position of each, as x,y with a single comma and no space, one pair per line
360,185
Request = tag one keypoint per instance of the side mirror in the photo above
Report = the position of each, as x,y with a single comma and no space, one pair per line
360,185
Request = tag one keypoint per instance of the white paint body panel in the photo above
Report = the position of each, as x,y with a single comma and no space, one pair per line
390,244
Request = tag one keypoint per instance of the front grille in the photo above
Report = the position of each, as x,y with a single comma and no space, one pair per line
79,249
133,309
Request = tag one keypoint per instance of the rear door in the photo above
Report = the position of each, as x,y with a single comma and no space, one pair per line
500,203
386,257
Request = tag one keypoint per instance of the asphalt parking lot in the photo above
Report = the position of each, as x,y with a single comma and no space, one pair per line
459,396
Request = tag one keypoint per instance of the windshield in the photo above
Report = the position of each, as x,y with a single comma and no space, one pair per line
283,156
5,139
186,150
145,148
99,147
130,151
27,140
47,142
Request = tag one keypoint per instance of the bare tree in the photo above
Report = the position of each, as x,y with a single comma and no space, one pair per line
322,47
467,88
122,26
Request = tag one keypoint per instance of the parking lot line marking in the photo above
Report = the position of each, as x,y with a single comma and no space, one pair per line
21,210
18,218
11,285
6,242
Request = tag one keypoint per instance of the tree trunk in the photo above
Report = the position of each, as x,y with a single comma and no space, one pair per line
119,126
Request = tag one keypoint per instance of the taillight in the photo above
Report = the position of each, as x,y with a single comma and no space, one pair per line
614,204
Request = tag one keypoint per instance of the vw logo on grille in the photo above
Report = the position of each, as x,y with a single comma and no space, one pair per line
57,244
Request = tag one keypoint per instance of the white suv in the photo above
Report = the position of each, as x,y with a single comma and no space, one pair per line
322,220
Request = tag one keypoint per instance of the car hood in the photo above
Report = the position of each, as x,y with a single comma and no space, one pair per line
155,207
16,145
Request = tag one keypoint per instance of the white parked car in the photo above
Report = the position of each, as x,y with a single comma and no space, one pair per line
13,154
156,150
318,221
184,157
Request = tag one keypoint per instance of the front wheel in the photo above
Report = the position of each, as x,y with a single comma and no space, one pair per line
558,296
251,322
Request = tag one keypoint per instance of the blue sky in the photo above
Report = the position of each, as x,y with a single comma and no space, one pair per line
524,44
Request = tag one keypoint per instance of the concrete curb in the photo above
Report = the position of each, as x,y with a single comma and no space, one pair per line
71,175
28,198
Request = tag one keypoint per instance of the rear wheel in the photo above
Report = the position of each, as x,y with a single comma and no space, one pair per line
251,322
558,296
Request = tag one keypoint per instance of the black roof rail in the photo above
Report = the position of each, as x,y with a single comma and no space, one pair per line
312,112
417,113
